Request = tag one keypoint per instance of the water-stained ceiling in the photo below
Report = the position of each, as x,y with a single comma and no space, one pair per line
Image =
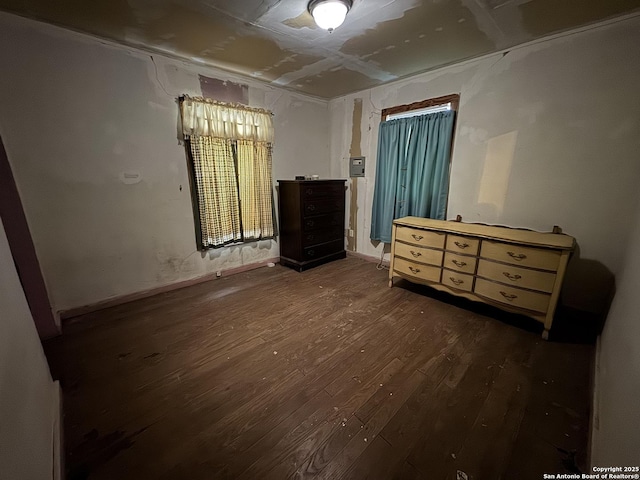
277,41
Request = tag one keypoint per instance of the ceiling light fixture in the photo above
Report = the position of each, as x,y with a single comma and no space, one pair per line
329,14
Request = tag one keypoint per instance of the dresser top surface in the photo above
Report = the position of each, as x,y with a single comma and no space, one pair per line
314,182
527,237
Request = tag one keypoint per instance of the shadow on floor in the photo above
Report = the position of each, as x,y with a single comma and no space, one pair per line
569,325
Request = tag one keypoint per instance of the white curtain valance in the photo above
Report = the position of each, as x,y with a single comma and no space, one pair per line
208,118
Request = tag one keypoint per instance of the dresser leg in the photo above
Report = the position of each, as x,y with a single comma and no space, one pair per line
545,334
391,282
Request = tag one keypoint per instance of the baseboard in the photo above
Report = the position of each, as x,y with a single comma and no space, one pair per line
58,433
130,297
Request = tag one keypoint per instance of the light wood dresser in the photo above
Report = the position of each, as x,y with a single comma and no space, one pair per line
516,270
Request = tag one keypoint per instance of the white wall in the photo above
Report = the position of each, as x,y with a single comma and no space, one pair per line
616,437
546,135
27,393
76,114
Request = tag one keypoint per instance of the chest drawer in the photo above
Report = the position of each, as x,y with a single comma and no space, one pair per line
319,251
323,190
456,243
459,262
521,256
323,205
321,236
425,272
537,302
516,276
460,281
419,254
425,238
323,221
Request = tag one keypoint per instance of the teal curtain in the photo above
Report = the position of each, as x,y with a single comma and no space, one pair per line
412,171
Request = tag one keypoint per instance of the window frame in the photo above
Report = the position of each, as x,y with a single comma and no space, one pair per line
453,99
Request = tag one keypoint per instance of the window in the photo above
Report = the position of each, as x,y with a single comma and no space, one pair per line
412,167
433,105
229,150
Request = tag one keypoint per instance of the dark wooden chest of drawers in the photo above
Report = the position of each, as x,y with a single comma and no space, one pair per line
311,222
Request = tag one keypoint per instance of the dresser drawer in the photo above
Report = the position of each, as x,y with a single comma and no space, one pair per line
323,221
460,244
460,262
460,281
425,272
324,205
419,254
516,276
537,302
323,190
521,256
319,251
322,236
425,238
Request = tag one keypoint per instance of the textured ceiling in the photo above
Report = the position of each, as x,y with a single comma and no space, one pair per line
276,40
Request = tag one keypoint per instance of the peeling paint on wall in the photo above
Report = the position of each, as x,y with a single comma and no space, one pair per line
354,151
223,90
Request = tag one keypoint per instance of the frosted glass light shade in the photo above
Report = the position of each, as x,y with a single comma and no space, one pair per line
329,14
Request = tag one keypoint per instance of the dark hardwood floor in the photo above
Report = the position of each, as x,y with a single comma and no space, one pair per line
274,374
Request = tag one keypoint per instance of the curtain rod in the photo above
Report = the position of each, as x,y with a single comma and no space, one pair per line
211,101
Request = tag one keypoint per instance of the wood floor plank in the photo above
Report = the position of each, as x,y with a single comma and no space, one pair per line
323,374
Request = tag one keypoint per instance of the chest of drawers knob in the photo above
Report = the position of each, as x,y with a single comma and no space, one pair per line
513,278
415,254
508,296
517,256
458,263
414,269
417,238
456,281
461,245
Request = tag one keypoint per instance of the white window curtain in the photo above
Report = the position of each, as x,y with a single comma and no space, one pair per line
230,149
208,118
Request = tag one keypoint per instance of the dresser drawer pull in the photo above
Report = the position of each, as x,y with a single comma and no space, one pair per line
310,237
310,223
417,238
311,253
458,263
311,207
414,269
461,245
512,277
415,254
517,256
508,296
309,191
456,281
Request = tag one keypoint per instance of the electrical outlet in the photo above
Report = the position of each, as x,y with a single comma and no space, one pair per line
351,232
218,274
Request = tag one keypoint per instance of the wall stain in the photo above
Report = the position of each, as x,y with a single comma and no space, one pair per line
354,151
425,37
334,83
304,20
537,20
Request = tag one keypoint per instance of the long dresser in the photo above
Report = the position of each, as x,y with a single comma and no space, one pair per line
516,270
311,222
